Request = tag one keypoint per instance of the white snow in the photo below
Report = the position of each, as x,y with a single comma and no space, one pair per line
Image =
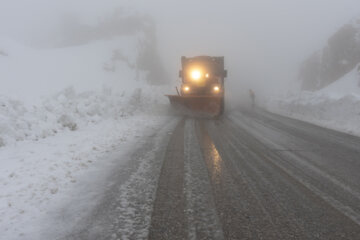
347,85
336,106
28,73
38,177
63,113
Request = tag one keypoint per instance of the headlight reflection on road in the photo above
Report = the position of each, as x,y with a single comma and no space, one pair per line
216,159
212,157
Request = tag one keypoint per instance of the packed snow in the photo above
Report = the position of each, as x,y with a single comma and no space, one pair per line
64,112
336,106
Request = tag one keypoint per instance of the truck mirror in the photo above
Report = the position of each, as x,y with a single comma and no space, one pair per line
180,73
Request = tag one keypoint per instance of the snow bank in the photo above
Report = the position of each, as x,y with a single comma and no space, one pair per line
39,179
70,111
47,91
336,106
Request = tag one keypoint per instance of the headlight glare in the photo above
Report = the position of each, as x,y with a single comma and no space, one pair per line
196,74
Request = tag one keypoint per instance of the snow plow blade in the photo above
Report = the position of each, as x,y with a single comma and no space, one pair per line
198,105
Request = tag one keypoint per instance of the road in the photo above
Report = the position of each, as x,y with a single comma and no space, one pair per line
249,175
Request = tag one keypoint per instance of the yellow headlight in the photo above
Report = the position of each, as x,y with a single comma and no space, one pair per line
196,74
207,75
186,89
216,88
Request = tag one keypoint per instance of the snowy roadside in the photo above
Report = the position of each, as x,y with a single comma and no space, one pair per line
45,174
336,106
70,113
339,114
50,151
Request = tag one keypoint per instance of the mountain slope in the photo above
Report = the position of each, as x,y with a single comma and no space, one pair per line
335,106
337,58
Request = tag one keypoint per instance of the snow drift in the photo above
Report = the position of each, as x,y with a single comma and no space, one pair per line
336,106
330,80
47,91
69,111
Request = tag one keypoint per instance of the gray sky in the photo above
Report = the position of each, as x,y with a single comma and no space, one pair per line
264,41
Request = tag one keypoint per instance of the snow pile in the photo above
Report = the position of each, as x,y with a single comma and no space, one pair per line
336,106
69,111
59,179
36,100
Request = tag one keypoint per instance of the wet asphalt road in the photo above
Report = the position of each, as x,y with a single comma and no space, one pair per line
250,175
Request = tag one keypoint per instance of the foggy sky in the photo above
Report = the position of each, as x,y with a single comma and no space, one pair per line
264,41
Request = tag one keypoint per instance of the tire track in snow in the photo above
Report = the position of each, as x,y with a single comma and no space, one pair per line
168,220
203,221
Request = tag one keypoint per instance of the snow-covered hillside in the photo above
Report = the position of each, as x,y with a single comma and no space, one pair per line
46,91
336,106
347,85
62,111
28,73
339,56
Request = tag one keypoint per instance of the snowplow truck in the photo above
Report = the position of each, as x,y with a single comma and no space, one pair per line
202,86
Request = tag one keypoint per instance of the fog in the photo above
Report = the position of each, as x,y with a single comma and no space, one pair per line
263,41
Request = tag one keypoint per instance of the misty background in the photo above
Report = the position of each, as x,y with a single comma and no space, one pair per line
264,42
82,85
